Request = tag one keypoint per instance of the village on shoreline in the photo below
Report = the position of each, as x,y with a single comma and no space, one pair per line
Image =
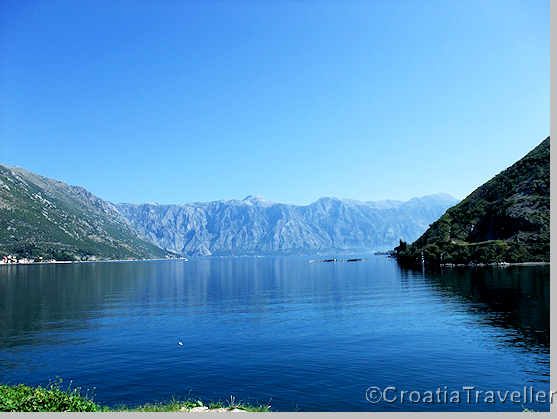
14,260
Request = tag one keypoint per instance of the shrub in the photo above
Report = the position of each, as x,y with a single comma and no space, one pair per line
22,398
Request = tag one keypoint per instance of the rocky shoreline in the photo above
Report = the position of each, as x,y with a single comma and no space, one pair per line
494,264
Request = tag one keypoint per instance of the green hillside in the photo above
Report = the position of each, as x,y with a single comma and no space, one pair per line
504,220
44,217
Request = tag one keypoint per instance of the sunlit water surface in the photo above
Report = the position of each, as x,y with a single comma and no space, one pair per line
309,337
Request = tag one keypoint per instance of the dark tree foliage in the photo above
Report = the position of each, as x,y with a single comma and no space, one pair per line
504,220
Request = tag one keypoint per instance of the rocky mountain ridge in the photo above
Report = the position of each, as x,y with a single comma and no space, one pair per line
257,226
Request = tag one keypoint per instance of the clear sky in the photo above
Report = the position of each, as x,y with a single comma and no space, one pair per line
177,101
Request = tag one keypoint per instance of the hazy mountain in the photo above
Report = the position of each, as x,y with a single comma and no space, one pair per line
505,219
44,217
257,226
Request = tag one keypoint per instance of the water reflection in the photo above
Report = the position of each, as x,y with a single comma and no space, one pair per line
307,335
515,298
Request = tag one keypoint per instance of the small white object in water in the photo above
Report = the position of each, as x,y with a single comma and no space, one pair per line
180,343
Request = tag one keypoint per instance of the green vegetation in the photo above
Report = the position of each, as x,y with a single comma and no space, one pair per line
504,220
175,405
42,217
22,398
53,398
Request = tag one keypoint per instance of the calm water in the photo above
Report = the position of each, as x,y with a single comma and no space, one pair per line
302,336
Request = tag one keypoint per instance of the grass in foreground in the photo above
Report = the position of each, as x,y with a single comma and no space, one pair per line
53,398
176,405
22,398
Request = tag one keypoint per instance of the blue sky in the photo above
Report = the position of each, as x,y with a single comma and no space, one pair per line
178,101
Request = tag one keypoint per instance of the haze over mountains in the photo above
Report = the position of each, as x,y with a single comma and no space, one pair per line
257,226
506,219
48,218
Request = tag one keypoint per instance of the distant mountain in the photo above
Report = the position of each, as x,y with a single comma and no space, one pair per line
504,220
44,217
257,226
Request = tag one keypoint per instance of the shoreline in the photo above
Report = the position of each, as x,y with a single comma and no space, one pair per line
69,262
442,265
491,265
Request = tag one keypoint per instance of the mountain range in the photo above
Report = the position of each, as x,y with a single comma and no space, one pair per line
504,220
43,217
257,226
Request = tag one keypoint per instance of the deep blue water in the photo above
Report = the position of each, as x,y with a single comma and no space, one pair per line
309,337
